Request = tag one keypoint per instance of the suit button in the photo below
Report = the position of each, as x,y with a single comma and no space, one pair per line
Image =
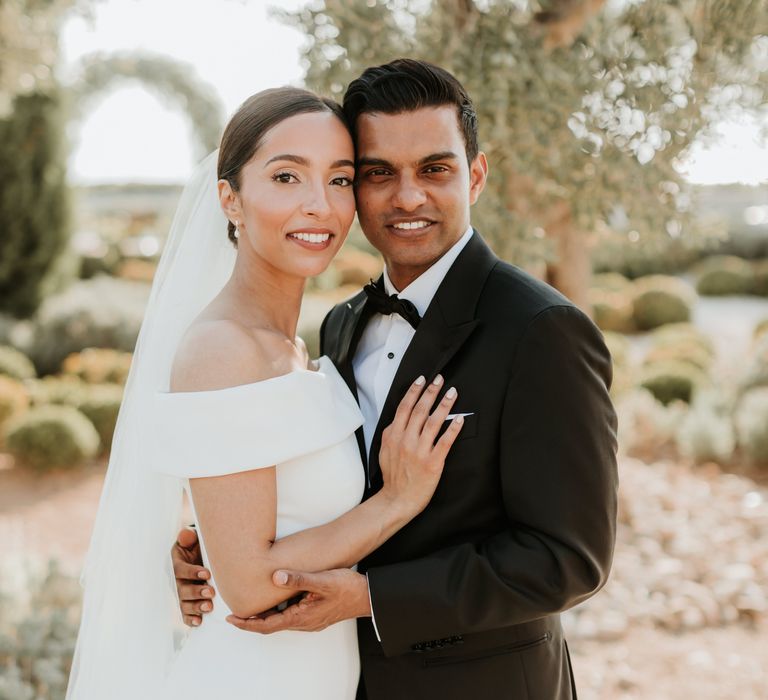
391,355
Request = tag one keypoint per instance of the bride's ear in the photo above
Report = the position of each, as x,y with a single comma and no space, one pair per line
230,202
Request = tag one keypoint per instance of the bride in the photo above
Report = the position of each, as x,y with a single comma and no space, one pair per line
223,402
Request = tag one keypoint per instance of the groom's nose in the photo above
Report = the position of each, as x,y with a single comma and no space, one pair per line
409,195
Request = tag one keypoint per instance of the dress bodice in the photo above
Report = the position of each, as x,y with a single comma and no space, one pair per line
303,423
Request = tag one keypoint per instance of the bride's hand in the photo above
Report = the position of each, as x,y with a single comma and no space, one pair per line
411,462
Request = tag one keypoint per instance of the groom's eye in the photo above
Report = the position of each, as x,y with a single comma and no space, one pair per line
377,172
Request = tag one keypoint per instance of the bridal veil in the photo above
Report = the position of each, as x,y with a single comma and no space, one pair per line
130,608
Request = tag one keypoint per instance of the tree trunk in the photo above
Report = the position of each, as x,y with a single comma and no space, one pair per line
571,272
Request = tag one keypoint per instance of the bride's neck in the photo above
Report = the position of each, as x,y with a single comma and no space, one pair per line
265,295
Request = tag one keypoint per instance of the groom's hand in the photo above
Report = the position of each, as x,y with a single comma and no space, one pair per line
195,595
329,597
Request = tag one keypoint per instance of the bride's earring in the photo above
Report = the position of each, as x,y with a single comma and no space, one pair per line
237,229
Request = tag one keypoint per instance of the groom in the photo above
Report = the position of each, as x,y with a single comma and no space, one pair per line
464,601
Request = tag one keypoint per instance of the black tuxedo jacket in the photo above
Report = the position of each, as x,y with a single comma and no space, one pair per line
522,525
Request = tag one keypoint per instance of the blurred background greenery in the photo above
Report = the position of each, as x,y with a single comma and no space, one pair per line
592,113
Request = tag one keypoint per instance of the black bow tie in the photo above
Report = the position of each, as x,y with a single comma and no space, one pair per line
386,304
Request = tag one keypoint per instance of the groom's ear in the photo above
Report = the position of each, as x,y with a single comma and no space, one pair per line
478,174
230,202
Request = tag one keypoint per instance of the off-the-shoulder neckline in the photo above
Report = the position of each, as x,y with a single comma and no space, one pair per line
323,363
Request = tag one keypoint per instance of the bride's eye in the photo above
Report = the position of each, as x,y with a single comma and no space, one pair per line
285,177
342,180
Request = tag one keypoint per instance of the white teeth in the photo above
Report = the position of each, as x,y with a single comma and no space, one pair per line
410,225
311,237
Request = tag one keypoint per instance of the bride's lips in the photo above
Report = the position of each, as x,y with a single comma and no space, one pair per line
312,238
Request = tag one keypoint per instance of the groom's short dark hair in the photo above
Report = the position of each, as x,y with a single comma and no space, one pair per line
405,85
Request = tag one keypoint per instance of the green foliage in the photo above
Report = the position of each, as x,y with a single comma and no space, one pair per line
102,312
170,79
675,333
723,275
660,300
752,424
761,329
48,437
15,364
582,117
612,310
760,278
14,399
611,282
706,433
38,631
101,405
34,210
58,390
98,365
756,371
672,381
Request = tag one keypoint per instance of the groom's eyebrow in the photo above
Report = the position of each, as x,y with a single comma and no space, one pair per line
431,158
344,163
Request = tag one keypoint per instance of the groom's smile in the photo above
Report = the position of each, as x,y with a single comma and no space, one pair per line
414,186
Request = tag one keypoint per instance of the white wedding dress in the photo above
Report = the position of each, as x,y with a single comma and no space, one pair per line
304,423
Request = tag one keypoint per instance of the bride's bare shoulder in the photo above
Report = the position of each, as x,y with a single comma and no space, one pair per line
218,354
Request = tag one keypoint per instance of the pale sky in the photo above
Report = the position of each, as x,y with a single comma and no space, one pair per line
132,136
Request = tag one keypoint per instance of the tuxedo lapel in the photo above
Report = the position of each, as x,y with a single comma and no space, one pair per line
342,350
447,324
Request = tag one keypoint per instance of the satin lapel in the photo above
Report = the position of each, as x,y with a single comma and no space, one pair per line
447,324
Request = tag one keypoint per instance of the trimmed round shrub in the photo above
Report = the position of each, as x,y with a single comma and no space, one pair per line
760,278
660,300
687,351
756,373
761,329
674,333
723,275
611,282
15,364
98,365
672,380
52,436
14,400
98,313
618,346
61,391
752,424
101,405
706,433
612,310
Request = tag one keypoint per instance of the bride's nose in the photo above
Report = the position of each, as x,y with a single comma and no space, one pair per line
316,202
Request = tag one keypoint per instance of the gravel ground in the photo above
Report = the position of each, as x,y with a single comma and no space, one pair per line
620,651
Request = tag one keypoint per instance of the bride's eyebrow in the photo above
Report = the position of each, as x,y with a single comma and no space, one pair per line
287,156
344,163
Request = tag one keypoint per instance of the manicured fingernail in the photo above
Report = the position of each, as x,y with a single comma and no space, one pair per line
459,420
205,607
438,380
281,578
206,592
420,380
195,622
202,574
451,393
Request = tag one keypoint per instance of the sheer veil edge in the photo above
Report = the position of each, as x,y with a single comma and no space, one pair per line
130,613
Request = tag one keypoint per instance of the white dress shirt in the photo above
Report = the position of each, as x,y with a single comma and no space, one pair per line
385,340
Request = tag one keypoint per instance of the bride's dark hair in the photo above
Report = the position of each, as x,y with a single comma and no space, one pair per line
244,133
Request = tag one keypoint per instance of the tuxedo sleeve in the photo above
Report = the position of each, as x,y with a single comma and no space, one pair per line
558,481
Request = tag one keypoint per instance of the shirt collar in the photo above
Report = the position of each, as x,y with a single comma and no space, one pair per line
423,288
